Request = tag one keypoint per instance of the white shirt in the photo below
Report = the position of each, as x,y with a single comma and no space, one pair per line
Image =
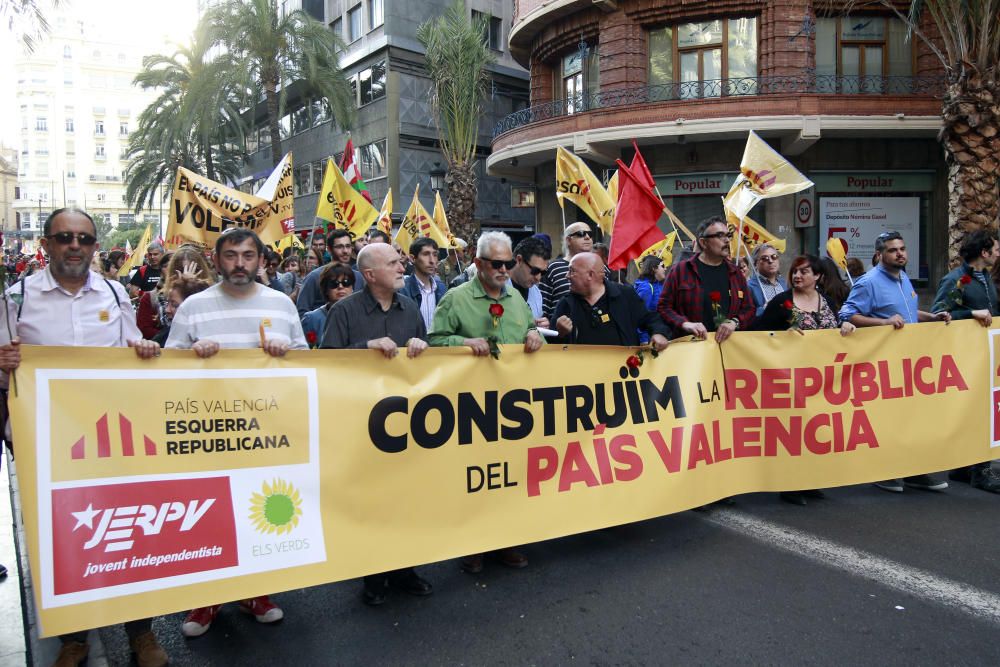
428,302
50,315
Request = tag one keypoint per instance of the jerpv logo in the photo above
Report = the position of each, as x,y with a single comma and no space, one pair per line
110,534
79,449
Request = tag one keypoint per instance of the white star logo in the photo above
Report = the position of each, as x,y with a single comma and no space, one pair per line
86,517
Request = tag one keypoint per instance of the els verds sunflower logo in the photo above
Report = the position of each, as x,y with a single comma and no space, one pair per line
276,509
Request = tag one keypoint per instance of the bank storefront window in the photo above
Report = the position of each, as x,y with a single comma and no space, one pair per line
858,206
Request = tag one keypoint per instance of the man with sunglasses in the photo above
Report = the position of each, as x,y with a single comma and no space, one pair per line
765,283
68,304
885,296
532,258
707,292
577,238
481,309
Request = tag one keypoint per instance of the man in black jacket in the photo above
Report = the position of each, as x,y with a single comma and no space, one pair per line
600,312
968,292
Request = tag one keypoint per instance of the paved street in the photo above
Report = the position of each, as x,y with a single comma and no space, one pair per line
863,577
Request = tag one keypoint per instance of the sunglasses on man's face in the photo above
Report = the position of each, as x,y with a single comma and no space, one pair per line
66,238
580,235
535,271
497,263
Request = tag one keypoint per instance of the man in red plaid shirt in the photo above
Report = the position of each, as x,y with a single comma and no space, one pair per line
707,292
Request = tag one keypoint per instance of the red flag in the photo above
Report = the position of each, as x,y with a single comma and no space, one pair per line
635,227
351,173
640,170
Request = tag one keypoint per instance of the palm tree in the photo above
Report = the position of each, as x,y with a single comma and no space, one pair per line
25,18
457,58
194,122
274,49
969,31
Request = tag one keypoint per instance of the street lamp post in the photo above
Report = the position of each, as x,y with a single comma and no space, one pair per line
437,177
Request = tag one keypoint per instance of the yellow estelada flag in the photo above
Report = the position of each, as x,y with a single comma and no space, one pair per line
764,173
753,234
416,223
342,205
385,215
135,260
663,250
441,222
837,252
290,240
577,183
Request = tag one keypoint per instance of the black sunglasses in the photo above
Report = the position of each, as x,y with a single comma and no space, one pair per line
580,235
497,263
535,271
66,238
334,284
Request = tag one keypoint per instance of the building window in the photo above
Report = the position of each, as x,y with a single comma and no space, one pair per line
122,129
102,196
354,27
492,29
337,27
578,81
99,152
300,119
371,159
70,171
99,128
320,112
67,52
855,54
303,180
522,196
41,124
25,220
712,57
126,218
376,13
371,83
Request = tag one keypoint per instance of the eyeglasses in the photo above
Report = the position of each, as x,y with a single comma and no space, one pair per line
497,263
719,235
334,284
580,235
768,258
535,271
66,238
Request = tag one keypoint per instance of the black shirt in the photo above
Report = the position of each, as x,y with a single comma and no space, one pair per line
597,328
522,290
359,318
146,278
714,279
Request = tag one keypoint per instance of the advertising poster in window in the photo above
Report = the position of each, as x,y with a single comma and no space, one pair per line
858,220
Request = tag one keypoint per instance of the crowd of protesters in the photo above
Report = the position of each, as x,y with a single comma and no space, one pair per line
339,292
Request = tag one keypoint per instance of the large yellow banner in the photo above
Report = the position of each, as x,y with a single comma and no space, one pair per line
201,209
162,485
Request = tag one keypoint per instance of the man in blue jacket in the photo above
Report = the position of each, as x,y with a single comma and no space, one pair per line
968,292
423,285
765,283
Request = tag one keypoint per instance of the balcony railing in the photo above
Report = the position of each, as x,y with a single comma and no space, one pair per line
807,82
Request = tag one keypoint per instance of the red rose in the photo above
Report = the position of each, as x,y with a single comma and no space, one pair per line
496,310
716,297
788,304
311,337
633,362
965,280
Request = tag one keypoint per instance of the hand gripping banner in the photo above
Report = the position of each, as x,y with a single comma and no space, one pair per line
157,486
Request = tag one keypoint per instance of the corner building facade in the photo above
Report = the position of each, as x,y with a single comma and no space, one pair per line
849,99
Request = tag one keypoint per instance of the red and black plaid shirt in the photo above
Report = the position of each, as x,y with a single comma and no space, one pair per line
681,300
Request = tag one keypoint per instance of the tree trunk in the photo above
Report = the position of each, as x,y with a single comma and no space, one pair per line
209,163
971,137
271,95
462,195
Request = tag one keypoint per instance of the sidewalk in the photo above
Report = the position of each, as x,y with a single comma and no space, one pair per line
19,640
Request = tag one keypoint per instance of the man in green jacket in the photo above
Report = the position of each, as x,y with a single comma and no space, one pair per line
481,314
968,292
